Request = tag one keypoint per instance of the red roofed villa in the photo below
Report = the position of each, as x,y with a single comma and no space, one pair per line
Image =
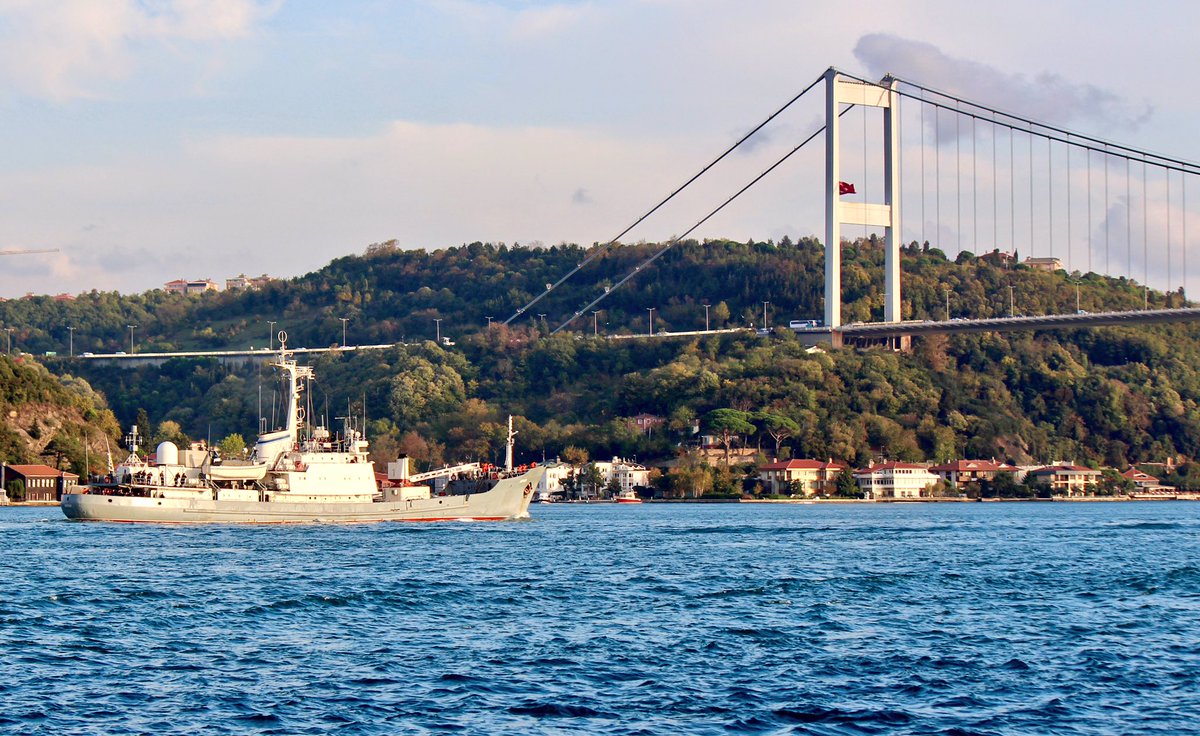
961,472
815,477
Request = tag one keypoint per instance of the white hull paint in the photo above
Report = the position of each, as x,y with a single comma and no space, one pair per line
509,499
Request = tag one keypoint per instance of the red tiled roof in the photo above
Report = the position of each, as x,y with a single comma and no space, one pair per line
1064,466
40,471
960,466
893,465
1135,474
803,465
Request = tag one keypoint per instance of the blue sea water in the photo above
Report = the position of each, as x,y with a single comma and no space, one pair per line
653,619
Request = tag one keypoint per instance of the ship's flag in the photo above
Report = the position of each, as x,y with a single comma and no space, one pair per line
845,187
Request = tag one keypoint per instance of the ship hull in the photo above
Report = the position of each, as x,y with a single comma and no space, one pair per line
508,499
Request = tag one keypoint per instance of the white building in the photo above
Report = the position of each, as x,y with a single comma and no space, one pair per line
551,482
895,480
628,475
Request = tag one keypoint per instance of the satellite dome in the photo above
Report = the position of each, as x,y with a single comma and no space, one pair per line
168,453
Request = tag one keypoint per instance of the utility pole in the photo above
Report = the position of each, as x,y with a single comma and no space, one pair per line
131,338
706,306
271,333
71,343
651,310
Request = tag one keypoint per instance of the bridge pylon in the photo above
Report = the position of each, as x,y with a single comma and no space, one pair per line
842,90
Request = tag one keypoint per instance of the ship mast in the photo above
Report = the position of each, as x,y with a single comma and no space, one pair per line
508,447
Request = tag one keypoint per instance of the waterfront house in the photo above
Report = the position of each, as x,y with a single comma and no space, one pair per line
1065,479
42,482
962,472
812,477
895,480
626,474
551,483
1144,481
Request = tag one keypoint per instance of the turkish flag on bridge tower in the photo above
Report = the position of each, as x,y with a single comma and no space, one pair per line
845,187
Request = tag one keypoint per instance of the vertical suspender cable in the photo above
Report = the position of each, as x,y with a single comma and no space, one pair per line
937,173
1107,270
866,228
1128,224
1070,244
1012,189
1088,151
1050,188
1183,249
958,175
1169,275
1145,234
974,195
922,105
1030,190
995,191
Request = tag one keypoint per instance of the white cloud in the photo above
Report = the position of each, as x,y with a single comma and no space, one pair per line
1046,97
64,49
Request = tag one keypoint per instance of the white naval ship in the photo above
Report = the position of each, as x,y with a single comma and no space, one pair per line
293,476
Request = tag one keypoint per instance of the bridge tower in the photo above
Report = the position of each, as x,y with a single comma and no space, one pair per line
841,90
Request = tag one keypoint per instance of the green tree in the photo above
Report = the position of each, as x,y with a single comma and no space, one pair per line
232,445
15,489
777,426
728,423
720,314
845,486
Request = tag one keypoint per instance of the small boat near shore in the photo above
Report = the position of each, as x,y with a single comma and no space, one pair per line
296,474
629,496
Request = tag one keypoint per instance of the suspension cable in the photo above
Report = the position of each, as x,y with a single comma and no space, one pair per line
1051,131
607,246
674,241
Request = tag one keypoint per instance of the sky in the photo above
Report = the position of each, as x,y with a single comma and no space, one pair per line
149,140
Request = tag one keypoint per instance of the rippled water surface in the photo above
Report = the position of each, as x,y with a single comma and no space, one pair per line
652,619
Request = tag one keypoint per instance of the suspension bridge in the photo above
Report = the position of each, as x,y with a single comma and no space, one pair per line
977,179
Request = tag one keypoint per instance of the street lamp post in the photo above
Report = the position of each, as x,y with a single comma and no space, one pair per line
489,319
595,322
946,291
542,319
1012,311
437,321
344,321
651,311
71,341
706,306
131,338
271,333
9,330
766,323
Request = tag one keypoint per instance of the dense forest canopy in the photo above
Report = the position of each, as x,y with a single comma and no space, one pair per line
1108,395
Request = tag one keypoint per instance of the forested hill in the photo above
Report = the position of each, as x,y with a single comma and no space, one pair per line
46,418
389,295
1112,395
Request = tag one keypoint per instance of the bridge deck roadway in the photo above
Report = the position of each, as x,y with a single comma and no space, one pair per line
1007,324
